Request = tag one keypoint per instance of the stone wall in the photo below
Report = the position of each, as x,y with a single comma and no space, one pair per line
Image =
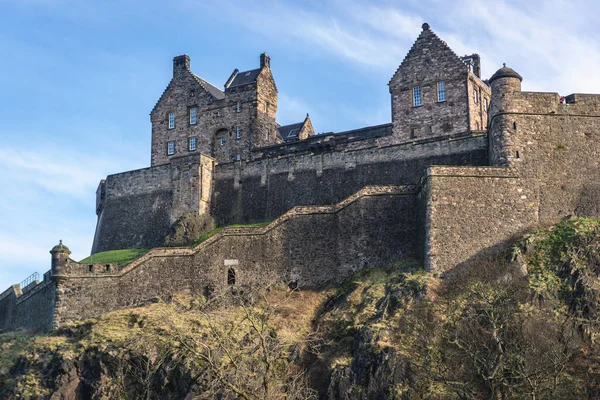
473,210
320,173
139,206
308,246
31,308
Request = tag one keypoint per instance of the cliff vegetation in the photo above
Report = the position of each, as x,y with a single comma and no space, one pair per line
520,324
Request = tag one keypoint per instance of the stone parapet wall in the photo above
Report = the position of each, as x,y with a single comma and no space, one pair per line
309,246
32,309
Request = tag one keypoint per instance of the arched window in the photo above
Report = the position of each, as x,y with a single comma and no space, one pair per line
231,276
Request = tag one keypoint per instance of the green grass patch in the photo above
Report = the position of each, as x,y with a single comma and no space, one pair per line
121,257
213,232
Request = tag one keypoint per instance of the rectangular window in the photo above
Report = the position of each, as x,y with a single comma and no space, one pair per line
413,134
485,104
266,107
171,120
170,148
193,116
238,133
416,96
192,143
441,91
238,157
475,96
238,106
222,141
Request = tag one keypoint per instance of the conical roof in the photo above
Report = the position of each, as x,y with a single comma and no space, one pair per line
505,72
60,248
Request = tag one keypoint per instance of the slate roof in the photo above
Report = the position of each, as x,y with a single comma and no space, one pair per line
244,78
289,132
210,88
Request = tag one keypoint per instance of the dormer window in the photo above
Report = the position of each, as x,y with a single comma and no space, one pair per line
238,106
171,120
193,116
192,143
238,133
441,91
171,148
416,96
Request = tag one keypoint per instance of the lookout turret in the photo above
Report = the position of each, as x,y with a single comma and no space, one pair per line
60,257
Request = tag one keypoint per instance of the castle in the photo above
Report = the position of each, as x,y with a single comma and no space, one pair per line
464,165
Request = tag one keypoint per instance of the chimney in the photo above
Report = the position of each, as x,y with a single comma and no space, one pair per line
181,64
476,65
265,60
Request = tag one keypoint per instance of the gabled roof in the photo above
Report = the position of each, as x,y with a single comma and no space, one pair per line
289,132
244,78
210,88
427,35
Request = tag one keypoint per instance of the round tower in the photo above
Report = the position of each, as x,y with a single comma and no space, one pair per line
505,82
60,257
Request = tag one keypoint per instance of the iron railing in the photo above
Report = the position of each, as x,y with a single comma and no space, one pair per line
29,280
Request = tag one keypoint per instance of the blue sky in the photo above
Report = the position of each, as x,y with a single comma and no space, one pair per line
79,78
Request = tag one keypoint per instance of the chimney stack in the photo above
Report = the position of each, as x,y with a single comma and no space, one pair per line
265,60
181,64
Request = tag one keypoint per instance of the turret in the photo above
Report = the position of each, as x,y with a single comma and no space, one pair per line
502,128
504,82
60,257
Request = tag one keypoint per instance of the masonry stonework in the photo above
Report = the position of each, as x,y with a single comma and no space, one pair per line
463,167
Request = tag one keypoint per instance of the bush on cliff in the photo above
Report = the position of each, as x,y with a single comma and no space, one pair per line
188,229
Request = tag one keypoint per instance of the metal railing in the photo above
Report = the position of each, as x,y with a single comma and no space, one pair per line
29,280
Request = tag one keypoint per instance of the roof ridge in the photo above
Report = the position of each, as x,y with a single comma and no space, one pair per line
204,83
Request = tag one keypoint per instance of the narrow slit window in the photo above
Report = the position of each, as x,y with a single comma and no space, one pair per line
171,120
193,116
170,148
475,96
231,276
441,91
192,143
412,133
238,106
416,96
238,133
517,155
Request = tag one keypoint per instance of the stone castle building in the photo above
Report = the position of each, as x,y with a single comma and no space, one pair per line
464,165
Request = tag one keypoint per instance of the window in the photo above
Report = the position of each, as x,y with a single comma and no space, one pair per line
485,104
171,120
238,106
267,107
222,141
193,116
192,143
475,96
170,148
416,96
238,157
441,91
238,133
413,133
231,276
267,135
